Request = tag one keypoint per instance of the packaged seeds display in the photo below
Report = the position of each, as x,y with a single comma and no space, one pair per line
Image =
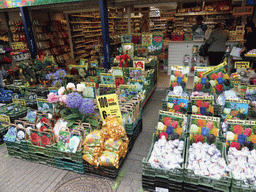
240,133
21,134
241,90
219,79
31,116
90,90
139,63
135,73
119,80
202,105
157,44
93,63
171,125
128,91
106,78
44,106
117,71
177,104
251,93
201,83
35,137
46,138
140,50
179,76
147,39
74,142
107,89
100,70
128,48
138,83
204,129
235,109
127,38
136,38
63,142
84,62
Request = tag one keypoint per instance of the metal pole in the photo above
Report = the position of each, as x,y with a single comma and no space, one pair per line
129,19
105,32
29,32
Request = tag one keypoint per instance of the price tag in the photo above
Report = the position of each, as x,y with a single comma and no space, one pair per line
4,119
19,101
159,189
17,45
108,106
242,64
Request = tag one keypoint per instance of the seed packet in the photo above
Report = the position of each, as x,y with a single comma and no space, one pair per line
147,39
202,105
236,109
106,78
177,104
119,80
135,73
35,137
204,129
31,116
171,124
74,142
128,91
251,93
107,89
46,138
110,159
64,137
44,106
139,63
126,38
90,90
21,134
240,133
179,76
11,134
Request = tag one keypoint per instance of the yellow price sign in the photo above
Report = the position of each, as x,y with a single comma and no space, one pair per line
19,101
17,45
108,106
242,64
5,119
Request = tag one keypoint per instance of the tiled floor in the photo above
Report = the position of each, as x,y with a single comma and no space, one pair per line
21,176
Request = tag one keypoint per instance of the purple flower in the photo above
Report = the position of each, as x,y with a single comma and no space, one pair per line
86,106
74,100
50,76
175,101
57,83
60,73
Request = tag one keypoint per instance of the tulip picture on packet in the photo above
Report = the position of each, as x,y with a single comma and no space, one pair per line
201,83
179,77
236,109
177,105
202,106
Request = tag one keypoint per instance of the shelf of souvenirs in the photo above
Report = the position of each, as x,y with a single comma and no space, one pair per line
203,13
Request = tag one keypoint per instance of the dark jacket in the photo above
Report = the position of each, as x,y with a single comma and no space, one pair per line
202,26
217,41
250,40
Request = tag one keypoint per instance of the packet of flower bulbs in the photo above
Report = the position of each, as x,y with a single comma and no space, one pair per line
109,159
179,76
171,125
46,138
94,139
240,133
202,105
63,142
251,93
219,78
74,142
235,109
201,83
105,89
177,104
119,80
128,91
106,78
204,129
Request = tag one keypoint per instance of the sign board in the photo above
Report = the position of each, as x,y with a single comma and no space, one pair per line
242,64
19,101
109,106
240,11
17,45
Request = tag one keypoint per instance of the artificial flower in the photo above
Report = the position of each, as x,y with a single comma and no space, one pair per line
235,137
194,128
185,80
214,76
44,120
169,130
70,86
80,87
204,131
73,71
230,136
248,132
236,145
200,74
34,137
61,90
174,136
167,121
199,138
199,103
52,98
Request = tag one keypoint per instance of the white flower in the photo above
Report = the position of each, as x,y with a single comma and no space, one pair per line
193,128
170,105
80,87
71,86
61,91
212,83
160,126
196,79
227,111
173,78
230,136
194,109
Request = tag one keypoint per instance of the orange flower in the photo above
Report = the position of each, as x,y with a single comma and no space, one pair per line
201,123
175,84
177,73
179,131
234,113
211,109
236,137
215,132
253,139
226,76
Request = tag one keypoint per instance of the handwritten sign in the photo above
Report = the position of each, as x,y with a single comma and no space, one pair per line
17,45
214,69
19,101
242,64
108,106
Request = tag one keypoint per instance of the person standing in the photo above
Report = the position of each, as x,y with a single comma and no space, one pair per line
217,45
199,28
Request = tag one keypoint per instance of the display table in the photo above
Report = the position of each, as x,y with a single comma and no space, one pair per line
177,50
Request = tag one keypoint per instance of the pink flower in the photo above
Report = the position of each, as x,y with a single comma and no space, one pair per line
182,75
52,98
209,125
220,74
175,124
63,99
206,104
118,58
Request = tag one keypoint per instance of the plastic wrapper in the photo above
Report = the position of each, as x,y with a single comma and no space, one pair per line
109,159
90,159
112,128
94,151
94,139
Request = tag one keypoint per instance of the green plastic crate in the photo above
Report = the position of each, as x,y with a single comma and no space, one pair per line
70,165
42,159
22,145
18,154
176,174
247,188
34,149
130,127
222,184
76,157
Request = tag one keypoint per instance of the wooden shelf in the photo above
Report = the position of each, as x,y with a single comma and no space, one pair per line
83,16
202,13
91,27
92,36
75,30
78,47
91,31
79,41
81,35
82,22
89,42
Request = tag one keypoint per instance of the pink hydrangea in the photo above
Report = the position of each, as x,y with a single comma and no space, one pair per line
52,98
63,99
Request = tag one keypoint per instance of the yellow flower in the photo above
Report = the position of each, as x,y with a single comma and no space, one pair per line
235,137
226,76
215,132
191,136
199,130
185,79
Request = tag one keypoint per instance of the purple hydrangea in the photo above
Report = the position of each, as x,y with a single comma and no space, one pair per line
87,106
50,76
57,83
74,100
60,73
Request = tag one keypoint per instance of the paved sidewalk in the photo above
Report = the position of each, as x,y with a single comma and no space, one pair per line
24,176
